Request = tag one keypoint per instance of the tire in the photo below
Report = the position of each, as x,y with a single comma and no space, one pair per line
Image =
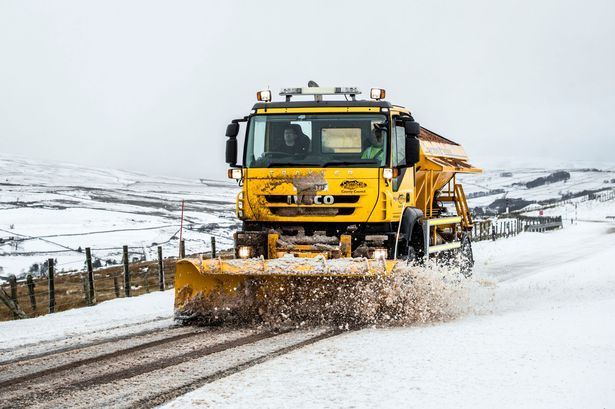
412,249
409,254
466,257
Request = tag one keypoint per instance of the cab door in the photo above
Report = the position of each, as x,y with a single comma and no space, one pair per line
403,180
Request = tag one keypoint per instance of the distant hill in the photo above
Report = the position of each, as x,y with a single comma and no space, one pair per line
55,210
514,188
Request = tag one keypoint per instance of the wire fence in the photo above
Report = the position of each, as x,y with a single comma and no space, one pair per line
511,225
50,292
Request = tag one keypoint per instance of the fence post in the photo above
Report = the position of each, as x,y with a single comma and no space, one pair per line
88,261
213,247
518,226
182,248
12,305
86,292
160,269
146,280
52,288
116,286
31,295
126,272
13,285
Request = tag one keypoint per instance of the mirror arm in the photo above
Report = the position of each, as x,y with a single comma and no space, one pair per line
244,119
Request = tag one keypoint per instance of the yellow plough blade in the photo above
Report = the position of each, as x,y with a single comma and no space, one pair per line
214,291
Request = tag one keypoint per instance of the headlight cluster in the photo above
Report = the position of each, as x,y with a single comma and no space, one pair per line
245,251
380,254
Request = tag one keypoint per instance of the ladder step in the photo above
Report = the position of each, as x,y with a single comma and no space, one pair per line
446,198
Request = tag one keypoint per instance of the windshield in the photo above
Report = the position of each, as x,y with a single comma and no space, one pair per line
317,140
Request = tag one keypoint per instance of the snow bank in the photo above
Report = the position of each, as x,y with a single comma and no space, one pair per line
122,315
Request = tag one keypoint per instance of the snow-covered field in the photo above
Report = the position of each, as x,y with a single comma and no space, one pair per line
541,336
510,178
50,210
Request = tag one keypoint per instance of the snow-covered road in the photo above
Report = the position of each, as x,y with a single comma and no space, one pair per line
548,343
541,334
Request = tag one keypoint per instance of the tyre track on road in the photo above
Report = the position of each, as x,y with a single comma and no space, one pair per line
97,336
93,353
165,397
145,370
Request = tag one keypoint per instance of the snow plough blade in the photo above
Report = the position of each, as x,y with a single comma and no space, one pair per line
218,291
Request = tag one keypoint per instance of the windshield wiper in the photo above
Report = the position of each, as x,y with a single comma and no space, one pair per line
319,165
363,162
293,165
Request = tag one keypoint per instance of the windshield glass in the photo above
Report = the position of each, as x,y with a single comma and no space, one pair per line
317,140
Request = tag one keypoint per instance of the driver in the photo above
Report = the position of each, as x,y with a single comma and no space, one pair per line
294,140
375,150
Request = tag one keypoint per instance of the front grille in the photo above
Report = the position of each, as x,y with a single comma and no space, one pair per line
336,199
311,211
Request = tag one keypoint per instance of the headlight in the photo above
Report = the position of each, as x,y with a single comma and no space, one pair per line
377,93
380,254
264,96
236,174
245,251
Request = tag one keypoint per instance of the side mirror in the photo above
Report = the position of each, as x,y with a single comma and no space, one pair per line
413,150
231,151
232,130
412,128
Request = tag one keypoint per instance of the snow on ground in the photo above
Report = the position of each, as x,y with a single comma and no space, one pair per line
511,176
50,209
549,341
115,317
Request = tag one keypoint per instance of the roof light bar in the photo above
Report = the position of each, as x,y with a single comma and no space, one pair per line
320,91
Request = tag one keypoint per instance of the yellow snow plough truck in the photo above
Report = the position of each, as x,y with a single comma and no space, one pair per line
334,190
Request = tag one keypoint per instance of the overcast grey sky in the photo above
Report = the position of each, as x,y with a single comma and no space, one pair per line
150,85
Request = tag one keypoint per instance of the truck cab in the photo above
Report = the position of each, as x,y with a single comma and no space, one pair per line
344,178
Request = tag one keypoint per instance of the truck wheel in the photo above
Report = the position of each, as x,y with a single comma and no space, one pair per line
409,254
412,248
466,257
